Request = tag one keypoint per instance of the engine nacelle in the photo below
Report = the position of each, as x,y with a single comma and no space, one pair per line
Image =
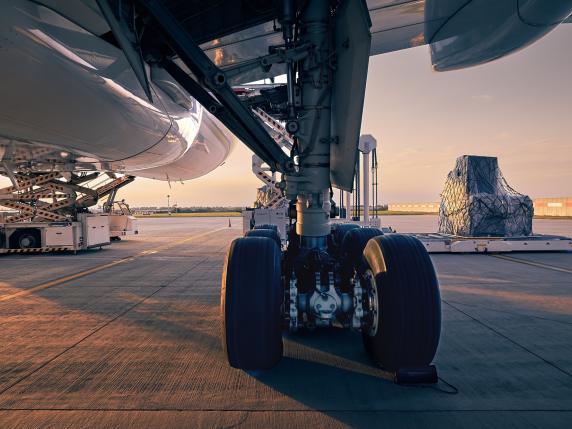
464,34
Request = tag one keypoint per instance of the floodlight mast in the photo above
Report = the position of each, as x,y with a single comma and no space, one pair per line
311,186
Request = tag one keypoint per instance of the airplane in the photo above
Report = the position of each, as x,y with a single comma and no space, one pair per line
159,89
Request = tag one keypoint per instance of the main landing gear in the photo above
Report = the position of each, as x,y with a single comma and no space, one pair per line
383,286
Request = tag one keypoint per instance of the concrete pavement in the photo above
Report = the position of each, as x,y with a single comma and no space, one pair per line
135,343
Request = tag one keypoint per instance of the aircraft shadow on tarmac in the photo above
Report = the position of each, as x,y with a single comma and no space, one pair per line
329,370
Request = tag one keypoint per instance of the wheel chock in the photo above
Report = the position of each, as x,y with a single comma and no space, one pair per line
424,375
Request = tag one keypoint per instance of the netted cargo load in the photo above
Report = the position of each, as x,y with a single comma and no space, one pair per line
268,197
478,202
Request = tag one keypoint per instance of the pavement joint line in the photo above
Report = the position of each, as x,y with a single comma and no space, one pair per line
104,325
532,263
552,364
528,316
98,268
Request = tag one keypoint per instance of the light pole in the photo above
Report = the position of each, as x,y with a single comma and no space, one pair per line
367,143
168,205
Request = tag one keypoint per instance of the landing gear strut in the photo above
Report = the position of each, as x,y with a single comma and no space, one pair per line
383,286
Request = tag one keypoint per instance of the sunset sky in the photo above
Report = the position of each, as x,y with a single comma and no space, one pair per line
518,109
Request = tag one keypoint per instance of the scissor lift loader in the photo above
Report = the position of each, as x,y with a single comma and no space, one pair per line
49,212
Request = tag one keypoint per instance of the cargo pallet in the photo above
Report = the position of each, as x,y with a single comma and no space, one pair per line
444,243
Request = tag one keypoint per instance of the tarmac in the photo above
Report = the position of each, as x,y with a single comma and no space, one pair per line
129,336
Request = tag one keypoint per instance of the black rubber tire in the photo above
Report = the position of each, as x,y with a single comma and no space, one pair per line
266,226
409,303
31,237
251,304
339,232
269,233
351,250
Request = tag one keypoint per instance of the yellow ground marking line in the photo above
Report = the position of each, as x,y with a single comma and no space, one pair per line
95,269
534,264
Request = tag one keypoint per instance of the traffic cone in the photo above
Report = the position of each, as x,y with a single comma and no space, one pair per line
229,225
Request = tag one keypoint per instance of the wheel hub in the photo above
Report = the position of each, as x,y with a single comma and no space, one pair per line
26,242
371,304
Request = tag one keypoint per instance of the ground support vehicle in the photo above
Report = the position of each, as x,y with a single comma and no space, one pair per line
121,221
89,231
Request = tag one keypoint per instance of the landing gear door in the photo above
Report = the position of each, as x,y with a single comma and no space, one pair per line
352,47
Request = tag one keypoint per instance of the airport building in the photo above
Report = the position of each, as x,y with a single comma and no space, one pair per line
560,206
553,206
432,207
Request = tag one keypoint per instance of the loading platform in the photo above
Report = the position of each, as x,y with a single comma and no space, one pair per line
445,243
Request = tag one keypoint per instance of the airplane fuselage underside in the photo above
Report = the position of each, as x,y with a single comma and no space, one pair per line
70,101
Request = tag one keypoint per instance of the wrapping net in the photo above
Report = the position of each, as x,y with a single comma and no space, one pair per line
478,202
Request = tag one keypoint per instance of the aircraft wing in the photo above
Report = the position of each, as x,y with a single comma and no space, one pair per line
461,33
396,24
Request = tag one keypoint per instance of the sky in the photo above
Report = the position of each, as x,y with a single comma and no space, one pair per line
518,109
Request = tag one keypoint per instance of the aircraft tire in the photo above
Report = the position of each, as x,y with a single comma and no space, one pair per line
339,232
408,323
269,233
251,300
351,249
266,226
